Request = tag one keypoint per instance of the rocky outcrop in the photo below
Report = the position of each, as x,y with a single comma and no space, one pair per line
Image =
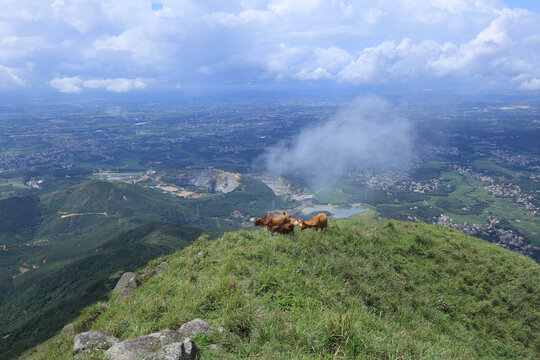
123,281
185,350
278,185
125,285
195,326
170,344
160,268
215,181
146,274
144,347
93,340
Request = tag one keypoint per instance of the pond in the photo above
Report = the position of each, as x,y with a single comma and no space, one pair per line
336,212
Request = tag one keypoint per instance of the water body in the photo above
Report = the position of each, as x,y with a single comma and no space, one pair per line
336,212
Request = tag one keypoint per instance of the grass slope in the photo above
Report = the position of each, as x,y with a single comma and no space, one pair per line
390,290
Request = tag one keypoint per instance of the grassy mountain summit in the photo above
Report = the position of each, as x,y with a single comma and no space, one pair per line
388,290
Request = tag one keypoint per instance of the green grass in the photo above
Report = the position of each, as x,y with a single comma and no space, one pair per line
389,290
370,215
332,195
491,165
14,182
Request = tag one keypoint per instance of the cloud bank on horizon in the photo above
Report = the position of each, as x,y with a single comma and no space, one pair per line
74,46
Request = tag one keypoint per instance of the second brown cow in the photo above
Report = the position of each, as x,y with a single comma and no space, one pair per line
319,221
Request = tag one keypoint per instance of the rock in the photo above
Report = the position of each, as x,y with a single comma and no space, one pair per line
93,339
190,349
146,274
200,253
220,329
143,346
124,280
195,327
68,326
161,268
185,350
172,351
126,284
214,347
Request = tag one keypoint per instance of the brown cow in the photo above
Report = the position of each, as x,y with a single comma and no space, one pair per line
317,222
284,229
269,221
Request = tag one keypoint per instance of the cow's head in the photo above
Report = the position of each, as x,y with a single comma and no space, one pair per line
302,224
257,221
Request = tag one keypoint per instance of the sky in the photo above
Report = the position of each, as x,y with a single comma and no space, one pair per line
138,46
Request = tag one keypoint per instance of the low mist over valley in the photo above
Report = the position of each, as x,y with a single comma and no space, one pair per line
367,134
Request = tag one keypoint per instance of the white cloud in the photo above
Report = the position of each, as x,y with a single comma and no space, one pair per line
205,70
293,6
306,63
67,84
77,85
13,47
373,65
9,79
58,4
115,85
134,41
498,44
347,41
505,46
533,84
373,15
250,16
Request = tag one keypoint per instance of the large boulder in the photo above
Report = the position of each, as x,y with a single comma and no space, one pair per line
143,346
125,285
195,327
93,340
124,280
185,350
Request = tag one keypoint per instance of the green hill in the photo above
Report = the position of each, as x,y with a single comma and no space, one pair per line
79,235
390,290
52,297
95,205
